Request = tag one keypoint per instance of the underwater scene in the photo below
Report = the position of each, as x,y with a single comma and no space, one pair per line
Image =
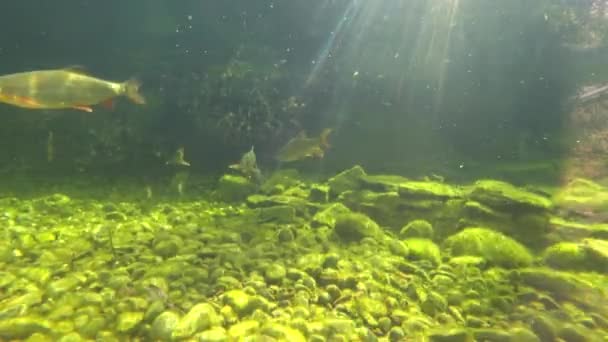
288,170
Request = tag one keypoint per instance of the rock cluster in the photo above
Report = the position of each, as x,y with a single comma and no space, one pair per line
357,258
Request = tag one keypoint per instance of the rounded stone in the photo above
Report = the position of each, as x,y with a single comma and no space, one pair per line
417,229
275,273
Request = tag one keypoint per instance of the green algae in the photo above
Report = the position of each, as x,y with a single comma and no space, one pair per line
277,267
496,248
504,195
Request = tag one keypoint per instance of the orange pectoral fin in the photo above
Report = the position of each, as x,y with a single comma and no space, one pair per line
83,108
108,104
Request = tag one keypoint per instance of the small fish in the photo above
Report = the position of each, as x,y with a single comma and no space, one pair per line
589,93
248,166
63,88
301,147
178,158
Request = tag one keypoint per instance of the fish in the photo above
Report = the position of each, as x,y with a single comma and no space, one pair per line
589,93
178,158
63,89
302,147
248,166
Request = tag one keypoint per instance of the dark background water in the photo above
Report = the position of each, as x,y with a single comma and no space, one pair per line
409,86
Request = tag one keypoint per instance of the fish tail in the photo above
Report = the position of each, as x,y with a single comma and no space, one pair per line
132,91
324,138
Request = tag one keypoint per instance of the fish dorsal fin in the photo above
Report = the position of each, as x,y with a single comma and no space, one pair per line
78,69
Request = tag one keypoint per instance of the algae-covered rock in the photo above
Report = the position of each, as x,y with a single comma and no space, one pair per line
566,256
597,252
128,321
277,214
319,193
163,326
495,247
242,303
476,210
577,288
385,207
503,195
22,327
571,332
327,216
243,329
383,183
523,335
450,335
215,334
301,205
280,181
423,249
416,189
63,285
417,229
167,248
348,180
235,188
352,227
282,333
587,255
568,230
200,317
544,327
582,194
275,273
494,335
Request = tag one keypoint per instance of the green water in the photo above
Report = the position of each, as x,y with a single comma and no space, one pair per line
463,195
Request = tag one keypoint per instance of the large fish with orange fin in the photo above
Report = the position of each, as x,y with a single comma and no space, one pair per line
64,88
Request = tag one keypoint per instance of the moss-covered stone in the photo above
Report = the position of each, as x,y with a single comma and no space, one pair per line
215,334
566,256
429,190
281,332
348,180
577,288
319,193
495,247
587,255
451,335
164,325
417,229
280,181
352,227
382,183
423,249
277,214
476,210
22,327
275,273
327,216
568,230
200,317
128,321
243,329
503,195
235,188
582,194
390,209
242,303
